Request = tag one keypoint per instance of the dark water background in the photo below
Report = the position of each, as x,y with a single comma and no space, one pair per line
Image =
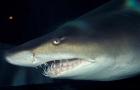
34,18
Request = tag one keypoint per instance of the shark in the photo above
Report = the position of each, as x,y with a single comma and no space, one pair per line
101,45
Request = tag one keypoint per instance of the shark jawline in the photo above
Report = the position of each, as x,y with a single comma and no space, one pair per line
56,68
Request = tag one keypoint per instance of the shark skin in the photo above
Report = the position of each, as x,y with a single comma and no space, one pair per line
101,45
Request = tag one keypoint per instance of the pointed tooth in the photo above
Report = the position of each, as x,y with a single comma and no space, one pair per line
54,66
41,65
48,69
44,69
46,64
45,74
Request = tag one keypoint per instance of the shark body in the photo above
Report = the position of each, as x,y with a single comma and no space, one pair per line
101,45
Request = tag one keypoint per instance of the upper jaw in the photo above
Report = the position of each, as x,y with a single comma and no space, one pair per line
29,59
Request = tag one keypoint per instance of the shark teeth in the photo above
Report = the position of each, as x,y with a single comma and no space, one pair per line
56,67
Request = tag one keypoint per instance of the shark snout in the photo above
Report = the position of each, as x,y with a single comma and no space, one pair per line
22,58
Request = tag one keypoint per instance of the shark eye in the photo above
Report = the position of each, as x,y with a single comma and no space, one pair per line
58,40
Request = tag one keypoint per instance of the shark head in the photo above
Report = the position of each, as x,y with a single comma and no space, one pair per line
100,45
65,53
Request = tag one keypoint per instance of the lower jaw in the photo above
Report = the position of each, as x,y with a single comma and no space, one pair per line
58,68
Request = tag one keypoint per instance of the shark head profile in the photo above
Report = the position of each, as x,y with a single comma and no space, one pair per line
100,45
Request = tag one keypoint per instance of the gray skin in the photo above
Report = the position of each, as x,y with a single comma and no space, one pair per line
107,36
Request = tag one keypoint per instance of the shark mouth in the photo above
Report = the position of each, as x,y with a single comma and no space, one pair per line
56,68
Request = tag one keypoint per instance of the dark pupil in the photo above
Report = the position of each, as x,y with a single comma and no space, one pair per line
57,40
